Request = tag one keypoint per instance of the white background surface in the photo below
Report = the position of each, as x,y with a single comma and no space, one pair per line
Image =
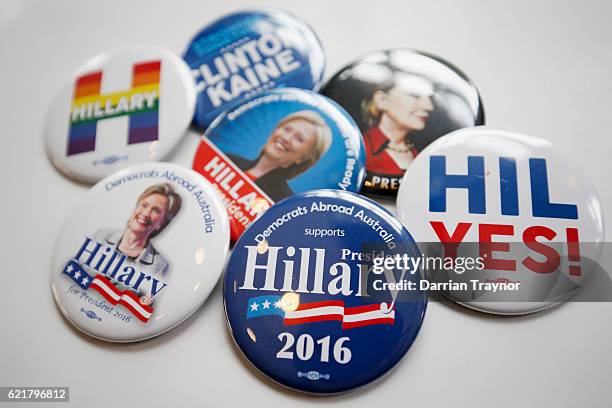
543,68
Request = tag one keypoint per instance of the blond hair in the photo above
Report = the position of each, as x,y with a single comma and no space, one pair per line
405,82
322,144
174,202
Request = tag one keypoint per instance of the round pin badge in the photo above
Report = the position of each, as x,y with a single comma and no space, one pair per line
310,298
124,106
514,221
141,253
402,100
244,53
279,143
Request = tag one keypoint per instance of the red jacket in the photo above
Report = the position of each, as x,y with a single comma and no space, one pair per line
377,158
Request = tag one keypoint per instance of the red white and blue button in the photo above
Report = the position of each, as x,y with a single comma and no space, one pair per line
524,206
301,298
279,143
140,253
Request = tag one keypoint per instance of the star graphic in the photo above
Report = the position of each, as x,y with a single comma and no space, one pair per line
277,304
84,281
69,268
77,274
266,304
254,307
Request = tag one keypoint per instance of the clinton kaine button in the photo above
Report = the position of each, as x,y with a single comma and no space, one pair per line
402,100
140,253
122,107
312,297
517,209
245,53
276,144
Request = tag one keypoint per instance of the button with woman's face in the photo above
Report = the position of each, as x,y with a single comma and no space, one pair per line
402,100
124,106
244,53
149,214
140,253
292,142
279,143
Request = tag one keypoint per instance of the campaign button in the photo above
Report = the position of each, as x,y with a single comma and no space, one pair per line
313,294
276,144
124,106
402,100
514,219
141,252
245,53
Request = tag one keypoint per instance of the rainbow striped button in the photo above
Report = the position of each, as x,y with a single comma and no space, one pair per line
122,107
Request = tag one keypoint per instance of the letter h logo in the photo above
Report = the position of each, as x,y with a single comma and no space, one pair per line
89,106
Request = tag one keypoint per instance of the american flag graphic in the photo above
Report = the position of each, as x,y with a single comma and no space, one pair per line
328,310
109,291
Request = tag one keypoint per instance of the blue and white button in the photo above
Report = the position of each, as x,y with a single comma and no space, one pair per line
310,299
244,53
142,251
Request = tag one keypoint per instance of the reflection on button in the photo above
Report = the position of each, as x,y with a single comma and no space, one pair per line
251,335
200,255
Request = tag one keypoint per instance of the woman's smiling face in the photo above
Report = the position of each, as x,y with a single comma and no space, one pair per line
149,214
290,142
409,102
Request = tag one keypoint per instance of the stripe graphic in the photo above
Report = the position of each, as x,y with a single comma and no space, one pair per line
105,287
126,298
140,103
329,310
